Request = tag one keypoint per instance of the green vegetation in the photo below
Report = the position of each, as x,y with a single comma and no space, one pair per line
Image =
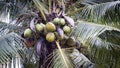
60,33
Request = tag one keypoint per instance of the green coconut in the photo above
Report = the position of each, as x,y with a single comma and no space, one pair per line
42,24
62,21
50,37
27,33
50,27
39,27
56,20
67,29
71,41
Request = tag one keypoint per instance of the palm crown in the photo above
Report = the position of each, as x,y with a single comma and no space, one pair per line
91,38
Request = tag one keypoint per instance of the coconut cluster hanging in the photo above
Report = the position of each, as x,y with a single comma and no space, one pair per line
44,34
56,30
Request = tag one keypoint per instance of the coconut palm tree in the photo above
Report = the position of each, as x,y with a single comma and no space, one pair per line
92,43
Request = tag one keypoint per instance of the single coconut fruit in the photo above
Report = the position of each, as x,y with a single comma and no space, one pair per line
39,27
71,41
50,27
66,29
56,20
42,24
50,37
63,41
27,32
62,21
44,30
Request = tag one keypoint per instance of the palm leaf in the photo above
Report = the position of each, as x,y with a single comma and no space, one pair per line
6,28
103,13
105,51
80,60
14,63
73,57
101,45
57,57
105,54
86,30
11,45
14,7
64,58
112,36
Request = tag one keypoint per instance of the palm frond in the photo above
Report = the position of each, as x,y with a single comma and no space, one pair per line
11,45
13,8
57,57
103,50
14,63
104,54
80,60
63,56
73,57
8,27
104,13
112,36
86,30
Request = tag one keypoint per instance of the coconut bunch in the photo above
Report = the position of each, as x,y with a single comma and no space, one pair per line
45,34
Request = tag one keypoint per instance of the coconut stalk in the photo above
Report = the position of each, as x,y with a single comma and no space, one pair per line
40,8
59,48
